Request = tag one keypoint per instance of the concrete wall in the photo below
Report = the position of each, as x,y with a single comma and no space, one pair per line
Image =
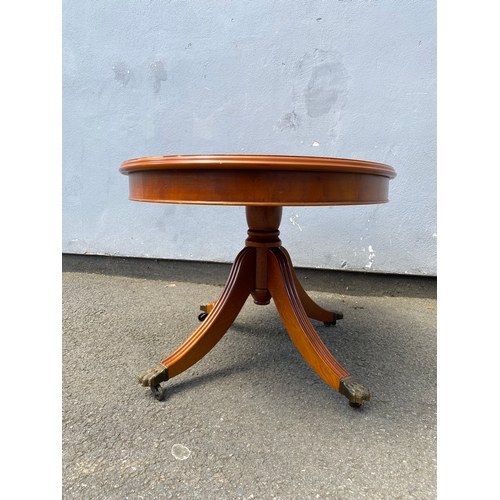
338,78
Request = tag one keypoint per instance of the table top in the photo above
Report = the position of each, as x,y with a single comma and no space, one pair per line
263,180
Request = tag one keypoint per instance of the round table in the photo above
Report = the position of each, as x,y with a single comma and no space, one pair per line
263,269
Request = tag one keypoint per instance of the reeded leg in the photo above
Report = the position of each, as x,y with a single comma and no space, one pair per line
312,309
240,284
288,302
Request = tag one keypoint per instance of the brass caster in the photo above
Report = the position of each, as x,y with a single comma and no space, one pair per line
337,315
158,392
354,392
152,377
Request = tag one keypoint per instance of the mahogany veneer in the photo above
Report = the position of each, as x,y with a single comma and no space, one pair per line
263,269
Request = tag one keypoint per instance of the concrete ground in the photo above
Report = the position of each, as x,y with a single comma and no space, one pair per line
251,420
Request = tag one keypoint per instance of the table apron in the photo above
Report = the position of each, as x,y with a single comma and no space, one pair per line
258,187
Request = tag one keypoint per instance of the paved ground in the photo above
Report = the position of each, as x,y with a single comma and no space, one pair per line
251,420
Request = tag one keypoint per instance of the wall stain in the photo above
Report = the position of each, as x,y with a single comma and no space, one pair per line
159,74
328,83
289,121
122,73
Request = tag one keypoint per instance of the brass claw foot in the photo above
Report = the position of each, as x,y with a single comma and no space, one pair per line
153,376
354,392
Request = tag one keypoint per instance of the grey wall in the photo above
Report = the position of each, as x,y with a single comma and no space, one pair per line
338,78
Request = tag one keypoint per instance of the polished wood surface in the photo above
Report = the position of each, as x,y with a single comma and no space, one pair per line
257,180
263,269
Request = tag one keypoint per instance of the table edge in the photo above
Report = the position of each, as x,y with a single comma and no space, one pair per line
260,204
256,162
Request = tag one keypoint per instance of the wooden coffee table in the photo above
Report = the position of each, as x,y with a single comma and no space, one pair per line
263,269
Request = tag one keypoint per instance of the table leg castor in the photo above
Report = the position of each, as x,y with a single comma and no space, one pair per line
158,392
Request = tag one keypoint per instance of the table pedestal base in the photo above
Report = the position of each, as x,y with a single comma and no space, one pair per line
264,270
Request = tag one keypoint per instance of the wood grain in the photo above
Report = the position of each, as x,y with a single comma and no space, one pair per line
257,180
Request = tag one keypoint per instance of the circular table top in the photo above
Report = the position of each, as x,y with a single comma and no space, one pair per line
263,180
